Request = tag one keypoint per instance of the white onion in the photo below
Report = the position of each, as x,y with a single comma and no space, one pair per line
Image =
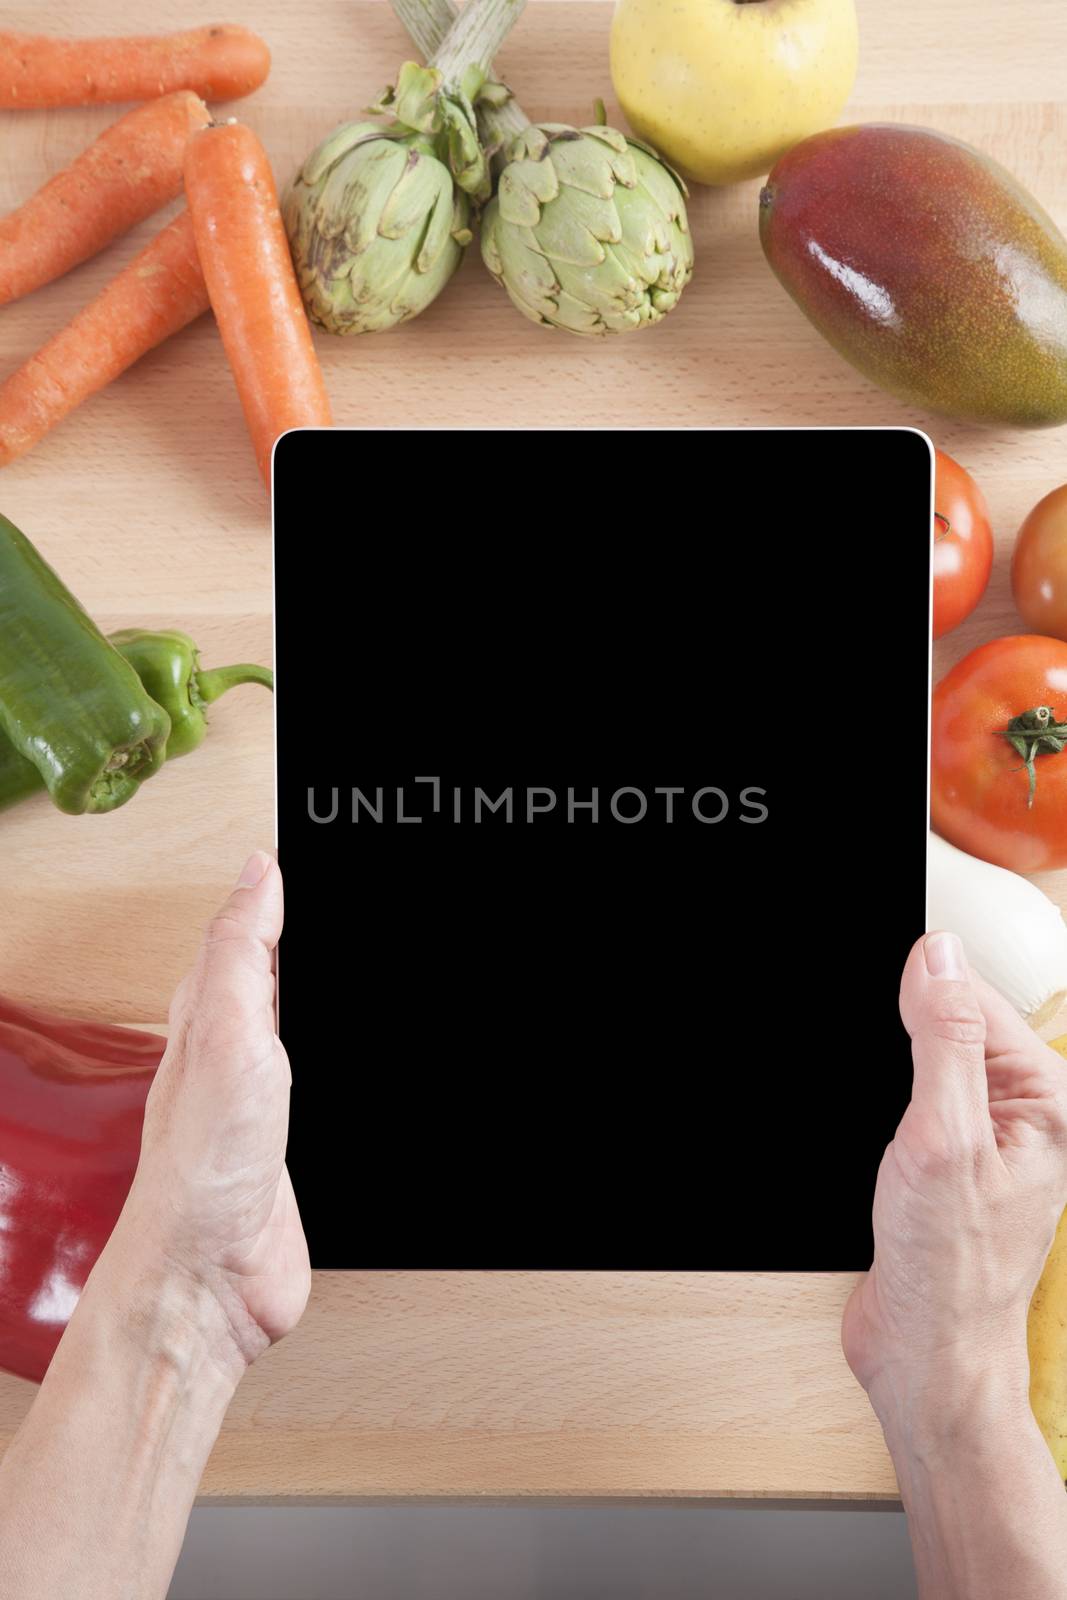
1014,936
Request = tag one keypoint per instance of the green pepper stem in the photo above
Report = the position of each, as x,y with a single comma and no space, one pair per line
210,685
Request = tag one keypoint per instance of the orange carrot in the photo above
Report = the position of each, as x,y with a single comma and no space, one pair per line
218,63
160,291
254,294
130,171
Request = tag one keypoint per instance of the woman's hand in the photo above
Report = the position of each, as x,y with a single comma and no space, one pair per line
206,1266
212,1197
968,1198
969,1192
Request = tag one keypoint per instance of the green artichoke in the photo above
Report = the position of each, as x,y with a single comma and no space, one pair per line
377,226
588,230
425,102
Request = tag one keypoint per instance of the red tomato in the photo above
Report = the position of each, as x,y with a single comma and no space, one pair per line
1039,566
979,786
963,544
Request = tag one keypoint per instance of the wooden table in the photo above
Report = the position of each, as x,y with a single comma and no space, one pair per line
472,1385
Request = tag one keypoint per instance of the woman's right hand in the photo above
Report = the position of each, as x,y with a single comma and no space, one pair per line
967,1201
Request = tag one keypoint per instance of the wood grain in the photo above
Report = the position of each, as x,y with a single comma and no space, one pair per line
472,1385
554,1386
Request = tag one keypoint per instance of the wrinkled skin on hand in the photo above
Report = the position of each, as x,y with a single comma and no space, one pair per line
212,1195
968,1197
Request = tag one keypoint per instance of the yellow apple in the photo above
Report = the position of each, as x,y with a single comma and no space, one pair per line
722,88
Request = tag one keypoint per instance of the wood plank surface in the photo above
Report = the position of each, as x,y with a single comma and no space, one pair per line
474,1385
551,1386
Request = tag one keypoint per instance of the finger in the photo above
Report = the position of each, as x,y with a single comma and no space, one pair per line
234,978
1018,1064
1006,1030
942,1013
1008,1033
254,910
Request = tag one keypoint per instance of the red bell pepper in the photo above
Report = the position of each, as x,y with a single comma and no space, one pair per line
72,1097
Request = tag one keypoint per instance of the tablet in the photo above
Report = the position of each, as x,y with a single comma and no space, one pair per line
602,806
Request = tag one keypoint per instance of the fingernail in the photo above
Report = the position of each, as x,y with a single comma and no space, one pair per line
253,870
944,956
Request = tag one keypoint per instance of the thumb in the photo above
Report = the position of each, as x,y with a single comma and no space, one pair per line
942,1013
253,912
232,981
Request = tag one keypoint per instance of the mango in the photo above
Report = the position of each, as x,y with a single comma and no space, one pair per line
928,267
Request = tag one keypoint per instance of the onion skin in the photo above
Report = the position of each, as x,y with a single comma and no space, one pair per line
1013,935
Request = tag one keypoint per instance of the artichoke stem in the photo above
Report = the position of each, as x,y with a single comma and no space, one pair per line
504,123
427,21
482,27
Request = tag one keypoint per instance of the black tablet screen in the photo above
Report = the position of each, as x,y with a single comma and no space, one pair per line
602,812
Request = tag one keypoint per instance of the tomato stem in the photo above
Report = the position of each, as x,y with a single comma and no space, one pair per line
1035,733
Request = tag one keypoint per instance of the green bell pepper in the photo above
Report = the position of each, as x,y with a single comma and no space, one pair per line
70,704
168,667
168,664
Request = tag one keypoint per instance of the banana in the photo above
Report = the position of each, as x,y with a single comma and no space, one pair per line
1046,1337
